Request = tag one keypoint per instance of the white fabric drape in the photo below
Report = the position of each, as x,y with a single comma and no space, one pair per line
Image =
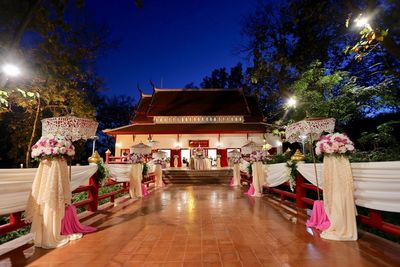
135,184
176,162
16,184
119,172
46,203
158,175
308,172
377,185
236,175
276,174
202,164
258,178
218,162
244,165
339,199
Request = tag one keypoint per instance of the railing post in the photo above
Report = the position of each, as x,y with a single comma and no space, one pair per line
15,218
93,194
376,218
300,192
108,153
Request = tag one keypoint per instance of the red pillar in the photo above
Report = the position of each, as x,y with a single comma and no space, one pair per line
224,156
300,192
179,154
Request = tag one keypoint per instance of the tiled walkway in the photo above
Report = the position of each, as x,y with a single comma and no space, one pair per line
205,226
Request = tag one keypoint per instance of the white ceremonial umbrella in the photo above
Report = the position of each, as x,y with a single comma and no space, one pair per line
140,149
71,127
159,155
250,147
312,128
234,153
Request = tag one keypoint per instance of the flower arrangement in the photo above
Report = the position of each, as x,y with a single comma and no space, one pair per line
334,144
291,172
136,158
159,161
52,146
236,159
259,155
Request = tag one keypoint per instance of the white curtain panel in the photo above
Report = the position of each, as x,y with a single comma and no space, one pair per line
244,165
16,184
276,174
377,184
119,172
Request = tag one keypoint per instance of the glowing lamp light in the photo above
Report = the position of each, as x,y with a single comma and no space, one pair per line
303,137
11,70
361,22
278,143
291,102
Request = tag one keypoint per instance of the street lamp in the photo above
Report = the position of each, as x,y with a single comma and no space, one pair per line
291,102
11,70
362,22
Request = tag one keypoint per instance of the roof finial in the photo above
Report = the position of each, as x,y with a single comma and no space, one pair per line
140,90
152,84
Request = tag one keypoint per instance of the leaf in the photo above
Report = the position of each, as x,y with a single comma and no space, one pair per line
23,93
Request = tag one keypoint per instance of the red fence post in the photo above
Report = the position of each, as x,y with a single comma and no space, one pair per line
300,192
376,218
93,194
108,153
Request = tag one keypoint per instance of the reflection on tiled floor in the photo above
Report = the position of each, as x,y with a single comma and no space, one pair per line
205,226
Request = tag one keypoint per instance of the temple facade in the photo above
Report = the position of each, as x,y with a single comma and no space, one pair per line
178,121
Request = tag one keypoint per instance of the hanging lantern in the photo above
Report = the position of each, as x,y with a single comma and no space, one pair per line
71,127
234,153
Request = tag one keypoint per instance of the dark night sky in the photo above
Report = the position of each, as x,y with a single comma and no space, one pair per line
176,42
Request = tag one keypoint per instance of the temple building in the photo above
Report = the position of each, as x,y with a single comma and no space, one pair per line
179,120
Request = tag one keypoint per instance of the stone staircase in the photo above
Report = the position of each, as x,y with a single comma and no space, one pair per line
186,176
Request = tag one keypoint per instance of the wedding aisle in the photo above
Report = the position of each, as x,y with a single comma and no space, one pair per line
206,225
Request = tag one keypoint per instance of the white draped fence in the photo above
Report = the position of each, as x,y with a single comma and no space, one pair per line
16,184
377,184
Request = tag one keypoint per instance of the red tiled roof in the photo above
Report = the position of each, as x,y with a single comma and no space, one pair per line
189,128
198,102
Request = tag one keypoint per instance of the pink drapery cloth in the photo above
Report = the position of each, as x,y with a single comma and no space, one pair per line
251,190
70,223
319,219
144,190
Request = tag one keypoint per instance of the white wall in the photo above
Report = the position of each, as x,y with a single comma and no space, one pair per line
170,141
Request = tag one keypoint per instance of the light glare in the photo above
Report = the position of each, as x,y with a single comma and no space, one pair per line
11,70
291,102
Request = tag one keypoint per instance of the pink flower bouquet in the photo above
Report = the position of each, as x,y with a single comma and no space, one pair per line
334,144
136,158
52,146
259,155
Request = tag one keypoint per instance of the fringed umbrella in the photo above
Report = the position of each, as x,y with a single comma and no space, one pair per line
312,128
71,127
159,155
141,149
250,147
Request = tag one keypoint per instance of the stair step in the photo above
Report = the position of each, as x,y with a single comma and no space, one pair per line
198,177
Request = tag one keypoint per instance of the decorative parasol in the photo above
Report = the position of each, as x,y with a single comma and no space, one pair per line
250,147
141,149
159,155
310,128
71,127
234,153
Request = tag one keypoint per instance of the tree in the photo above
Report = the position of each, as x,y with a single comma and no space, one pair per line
337,95
59,56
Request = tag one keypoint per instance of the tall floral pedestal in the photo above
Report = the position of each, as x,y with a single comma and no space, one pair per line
236,175
46,204
158,175
258,178
135,180
339,199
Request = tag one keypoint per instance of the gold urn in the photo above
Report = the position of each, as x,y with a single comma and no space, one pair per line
95,158
298,156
